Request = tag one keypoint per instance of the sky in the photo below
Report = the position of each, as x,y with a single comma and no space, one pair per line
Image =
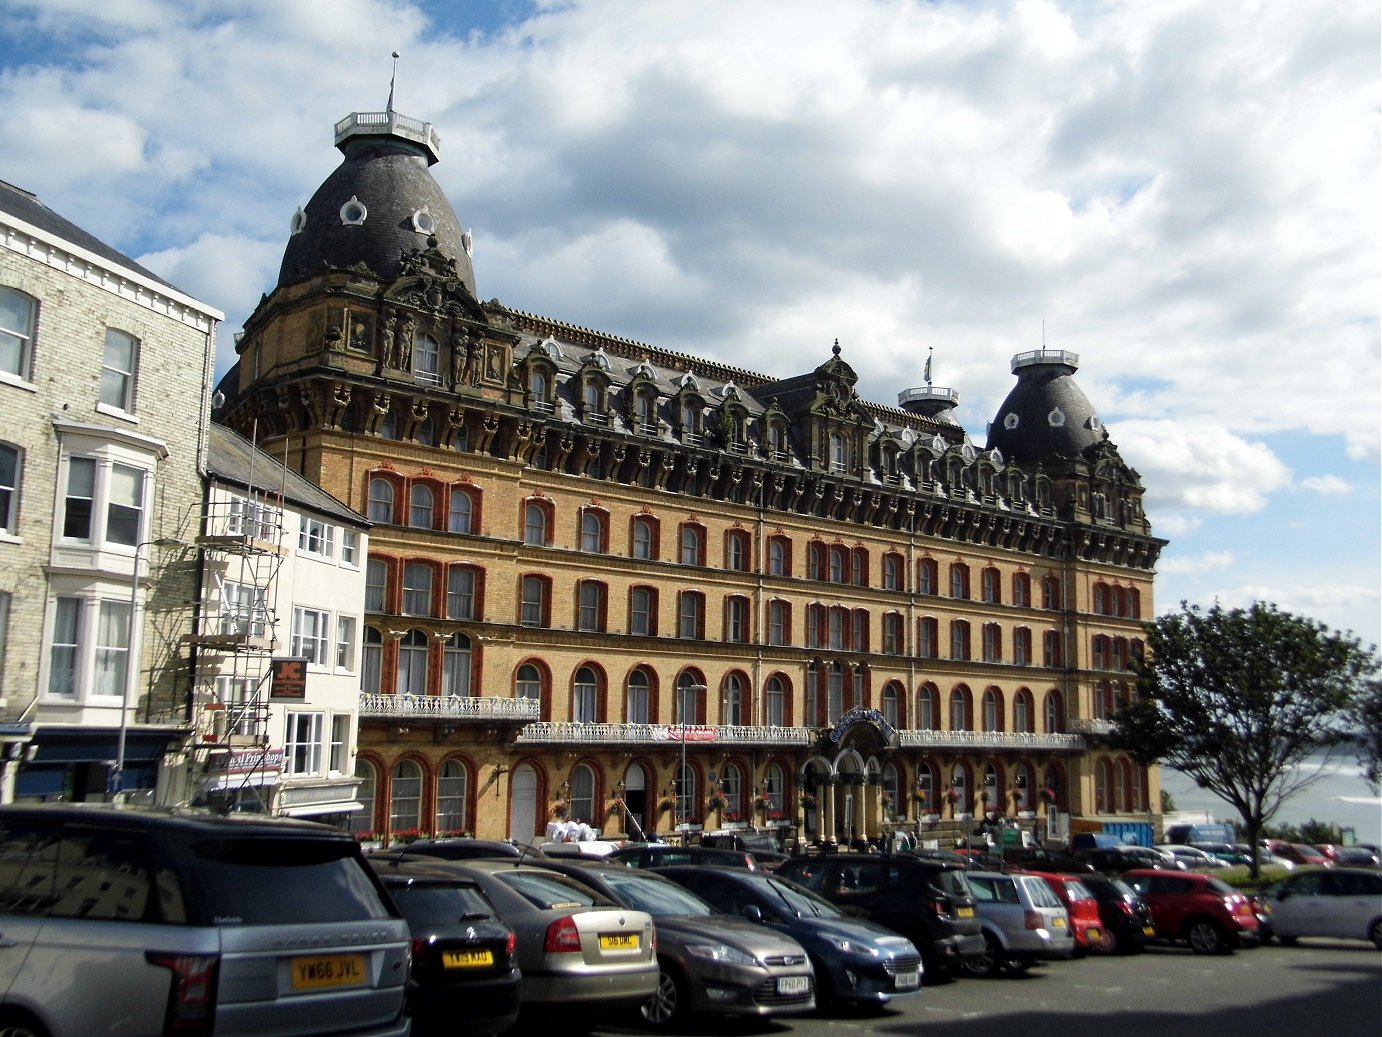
1184,194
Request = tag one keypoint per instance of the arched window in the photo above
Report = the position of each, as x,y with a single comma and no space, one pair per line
405,804
420,506
892,572
1024,713
733,692
689,696
417,589
927,719
859,567
688,794
412,664
1103,787
534,607
928,576
928,637
892,789
737,619
732,788
376,584
993,710
362,821
889,703
959,782
592,531
537,390
779,557
737,550
1053,713
959,580
1023,789
927,785
959,709
585,697
1050,593
775,788
534,524
835,692
991,586
775,702
1022,590
528,684
460,593
381,498
959,639
692,545
638,705
583,795
458,516
644,538
452,786
455,673
426,359
837,564
838,456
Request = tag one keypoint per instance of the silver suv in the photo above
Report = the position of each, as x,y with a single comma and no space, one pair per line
188,923
1023,920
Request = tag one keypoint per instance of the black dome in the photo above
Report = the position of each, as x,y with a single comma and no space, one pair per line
397,206
1046,413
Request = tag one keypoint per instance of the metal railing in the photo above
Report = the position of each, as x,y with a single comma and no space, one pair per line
670,734
449,707
989,740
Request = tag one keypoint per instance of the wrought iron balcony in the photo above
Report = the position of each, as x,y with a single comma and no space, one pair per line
548,733
448,707
988,740
1094,726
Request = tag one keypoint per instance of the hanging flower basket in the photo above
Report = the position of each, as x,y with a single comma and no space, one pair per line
561,810
919,797
665,804
952,796
808,801
1048,795
616,808
715,803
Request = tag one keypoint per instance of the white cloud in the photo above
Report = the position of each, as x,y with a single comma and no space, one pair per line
1326,485
1201,467
1211,561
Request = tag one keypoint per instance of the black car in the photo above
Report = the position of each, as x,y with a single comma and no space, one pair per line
855,960
1115,861
464,848
465,976
929,902
658,855
1126,917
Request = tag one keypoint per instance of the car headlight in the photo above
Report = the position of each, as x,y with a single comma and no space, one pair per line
848,946
721,952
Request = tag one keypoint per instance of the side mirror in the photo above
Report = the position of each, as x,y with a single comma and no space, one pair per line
753,913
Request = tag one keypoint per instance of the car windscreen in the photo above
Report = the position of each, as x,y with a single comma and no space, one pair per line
802,902
1040,894
548,890
950,881
426,904
659,898
253,880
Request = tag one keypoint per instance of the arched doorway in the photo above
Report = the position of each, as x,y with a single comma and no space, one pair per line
636,801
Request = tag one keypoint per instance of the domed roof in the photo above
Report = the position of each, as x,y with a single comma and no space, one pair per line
1046,413
379,203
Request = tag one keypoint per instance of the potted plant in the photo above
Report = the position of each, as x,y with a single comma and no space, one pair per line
808,801
952,796
616,808
561,810
665,804
762,803
715,802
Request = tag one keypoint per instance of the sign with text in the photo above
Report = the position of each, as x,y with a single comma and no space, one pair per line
289,679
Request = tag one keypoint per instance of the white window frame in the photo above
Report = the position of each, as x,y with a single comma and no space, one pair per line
338,755
21,337
244,610
303,744
345,643
312,635
460,593
316,538
350,548
10,483
98,671
104,509
119,374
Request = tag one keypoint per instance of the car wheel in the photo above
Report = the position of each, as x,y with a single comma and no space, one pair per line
668,1005
1375,933
988,963
1107,942
20,1026
1205,937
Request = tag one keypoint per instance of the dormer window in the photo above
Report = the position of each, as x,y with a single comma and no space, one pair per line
1056,418
539,391
353,212
424,222
298,223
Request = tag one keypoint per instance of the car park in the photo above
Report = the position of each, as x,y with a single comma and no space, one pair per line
1299,854
1023,922
1230,853
766,850
1083,910
709,962
929,902
1116,860
1127,921
465,977
192,923
1342,902
576,947
854,960
1193,857
1199,909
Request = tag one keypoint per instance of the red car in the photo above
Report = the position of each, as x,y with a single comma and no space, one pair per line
1204,911
1082,908
1299,854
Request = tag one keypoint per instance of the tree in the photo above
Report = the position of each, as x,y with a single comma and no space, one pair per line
1365,722
1238,699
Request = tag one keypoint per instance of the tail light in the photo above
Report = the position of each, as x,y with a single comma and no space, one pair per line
562,937
941,906
422,950
192,998
1033,920
1126,908
511,944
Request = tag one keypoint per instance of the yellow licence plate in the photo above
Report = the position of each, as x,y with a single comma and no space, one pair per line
332,970
619,941
965,912
1058,923
466,959
1093,934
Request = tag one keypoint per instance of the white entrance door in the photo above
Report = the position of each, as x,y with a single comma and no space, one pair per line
523,804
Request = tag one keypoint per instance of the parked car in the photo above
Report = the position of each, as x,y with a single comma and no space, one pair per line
709,962
464,848
1357,857
576,946
1298,854
1037,858
1116,860
659,855
1230,853
929,902
766,850
1127,921
1193,857
465,976
583,848
1341,902
1207,913
855,960
193,923
1023,921
1085,922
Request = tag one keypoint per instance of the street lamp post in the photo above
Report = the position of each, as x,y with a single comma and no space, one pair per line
685,823
116,782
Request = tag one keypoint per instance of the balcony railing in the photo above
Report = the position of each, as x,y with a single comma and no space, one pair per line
1093,726
449,707
989,740
668,734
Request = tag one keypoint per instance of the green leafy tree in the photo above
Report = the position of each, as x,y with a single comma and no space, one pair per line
1365,723
1237,699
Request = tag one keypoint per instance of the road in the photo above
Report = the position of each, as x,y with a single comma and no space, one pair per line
1315,987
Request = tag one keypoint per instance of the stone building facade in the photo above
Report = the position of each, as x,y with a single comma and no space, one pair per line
616,583
104,380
